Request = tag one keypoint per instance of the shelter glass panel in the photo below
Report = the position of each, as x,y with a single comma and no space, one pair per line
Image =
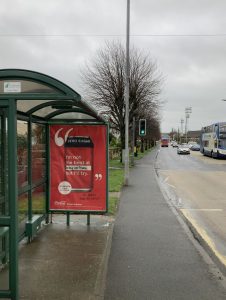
74,116
23,212
4,210
22,153
38,152
4,204
44,111
26,105
24,86
4,262
39,199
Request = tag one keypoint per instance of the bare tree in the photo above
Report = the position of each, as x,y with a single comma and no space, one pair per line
104,79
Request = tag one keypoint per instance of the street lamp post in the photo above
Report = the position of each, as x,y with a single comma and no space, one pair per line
126,175
182,130
188,111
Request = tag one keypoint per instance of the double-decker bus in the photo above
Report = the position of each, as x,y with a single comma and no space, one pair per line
213,140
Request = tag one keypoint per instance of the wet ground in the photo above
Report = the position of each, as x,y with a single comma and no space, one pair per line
65,262
153,254
195,185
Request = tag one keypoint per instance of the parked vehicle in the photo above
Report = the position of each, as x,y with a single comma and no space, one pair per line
213,140
195,147
183,149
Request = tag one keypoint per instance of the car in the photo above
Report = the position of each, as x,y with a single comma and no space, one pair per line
195,147
191,143
174,144
183,149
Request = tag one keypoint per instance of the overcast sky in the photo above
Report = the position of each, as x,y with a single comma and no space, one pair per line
186,38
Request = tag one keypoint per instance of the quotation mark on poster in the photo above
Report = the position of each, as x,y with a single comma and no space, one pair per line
98,177
59,141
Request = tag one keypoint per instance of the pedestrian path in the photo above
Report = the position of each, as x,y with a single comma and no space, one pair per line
152,256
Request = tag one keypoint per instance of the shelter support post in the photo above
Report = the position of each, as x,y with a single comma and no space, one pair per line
68,218
88,219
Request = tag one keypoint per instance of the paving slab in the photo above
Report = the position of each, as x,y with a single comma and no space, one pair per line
65,262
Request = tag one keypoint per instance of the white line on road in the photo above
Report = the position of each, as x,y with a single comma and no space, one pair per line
166,179
204,209
171,185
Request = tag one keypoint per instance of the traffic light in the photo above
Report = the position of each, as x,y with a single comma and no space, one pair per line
142,127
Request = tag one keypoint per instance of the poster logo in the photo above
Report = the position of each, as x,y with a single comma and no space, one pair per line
64,187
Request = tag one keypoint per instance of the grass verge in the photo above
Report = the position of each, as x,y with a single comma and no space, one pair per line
116,181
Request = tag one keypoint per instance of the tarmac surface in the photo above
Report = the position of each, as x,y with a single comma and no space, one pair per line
146,253
153,253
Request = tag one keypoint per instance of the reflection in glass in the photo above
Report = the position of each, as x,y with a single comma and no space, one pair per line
38,152
26,105
4,268
4,205
22,212
38,200
74,116
22,153
3,164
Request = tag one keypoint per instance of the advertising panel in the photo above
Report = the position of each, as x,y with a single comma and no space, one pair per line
78,164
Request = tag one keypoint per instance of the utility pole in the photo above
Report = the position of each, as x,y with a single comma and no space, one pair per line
133,141
188,111
126,175
182,129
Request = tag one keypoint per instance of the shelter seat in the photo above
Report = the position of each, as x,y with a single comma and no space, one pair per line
33,225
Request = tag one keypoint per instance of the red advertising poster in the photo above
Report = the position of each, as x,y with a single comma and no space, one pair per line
78,163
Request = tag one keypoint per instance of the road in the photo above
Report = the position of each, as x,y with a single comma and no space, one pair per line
196,186
153,253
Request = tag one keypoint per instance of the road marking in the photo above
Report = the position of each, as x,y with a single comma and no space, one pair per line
204,209
171,185
166,179
179,202
204,235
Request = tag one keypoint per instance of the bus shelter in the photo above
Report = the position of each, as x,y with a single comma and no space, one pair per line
53,158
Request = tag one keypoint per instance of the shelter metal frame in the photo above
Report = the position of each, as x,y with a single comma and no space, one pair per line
34,98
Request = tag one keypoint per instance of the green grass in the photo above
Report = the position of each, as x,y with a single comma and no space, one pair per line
141,155
113,205
37,205
115,163
116,178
